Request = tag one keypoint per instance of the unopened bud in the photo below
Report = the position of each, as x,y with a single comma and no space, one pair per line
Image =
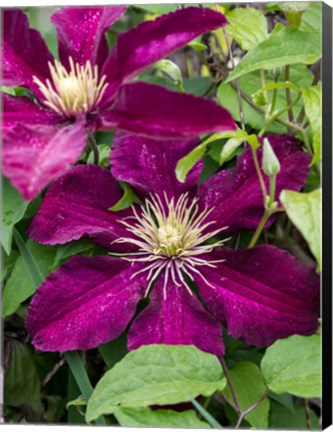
270,163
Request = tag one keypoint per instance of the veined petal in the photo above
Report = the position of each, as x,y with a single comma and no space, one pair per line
76,205
81,30
179,319
261,294
154,111
86,302
153,40
32,157
236,193
149,165
21,109
24,52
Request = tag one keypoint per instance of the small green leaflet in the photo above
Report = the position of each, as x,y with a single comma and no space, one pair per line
288,46
311,20
126,200
13,209
304,210
156,375
146,417
248,26
312,97
293,365
249,386
185,164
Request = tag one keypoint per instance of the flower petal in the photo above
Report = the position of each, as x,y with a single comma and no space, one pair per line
236,194
179,319
76,205
150,165
153,40
261,294
154,111
32,157
80,32
21,109
86,302
24,52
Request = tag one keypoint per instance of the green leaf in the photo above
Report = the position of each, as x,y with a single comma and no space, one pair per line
63,252
13,209
249,386
20,284
312,18
171,72
126,200
248,26
22,383
185,164
104,151
146,417
285,47
8,262
229,149
312,97
250,84
197,46
203,412
293,12
80,401
158,9
156,375
304,209
282,418
293,365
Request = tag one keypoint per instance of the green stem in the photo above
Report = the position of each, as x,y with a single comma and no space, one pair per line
274,98
272,185
259,173
94,147
288,94
261,226
73,358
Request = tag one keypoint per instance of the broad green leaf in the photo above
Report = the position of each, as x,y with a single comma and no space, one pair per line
304,210
293,365
248,26
20,285
282,418
112,352
8,262
311,20
146,417
156,375
13,209
312,97
250,84
284,399
249,386
185,164
285,47
22,383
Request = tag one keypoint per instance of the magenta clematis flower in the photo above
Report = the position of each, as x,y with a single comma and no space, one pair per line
164,246
88,88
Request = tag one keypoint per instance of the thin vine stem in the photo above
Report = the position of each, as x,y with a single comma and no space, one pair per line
259,174
288,94
233,393
239,96
251,408
261,226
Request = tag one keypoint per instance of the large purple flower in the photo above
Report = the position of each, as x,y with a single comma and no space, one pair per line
88,88
164,246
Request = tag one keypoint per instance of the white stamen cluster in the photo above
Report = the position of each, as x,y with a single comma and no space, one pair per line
74,92
170,238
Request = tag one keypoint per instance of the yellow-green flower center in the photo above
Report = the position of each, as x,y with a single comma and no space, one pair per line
72,92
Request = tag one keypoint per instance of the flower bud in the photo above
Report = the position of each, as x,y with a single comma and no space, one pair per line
270,163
